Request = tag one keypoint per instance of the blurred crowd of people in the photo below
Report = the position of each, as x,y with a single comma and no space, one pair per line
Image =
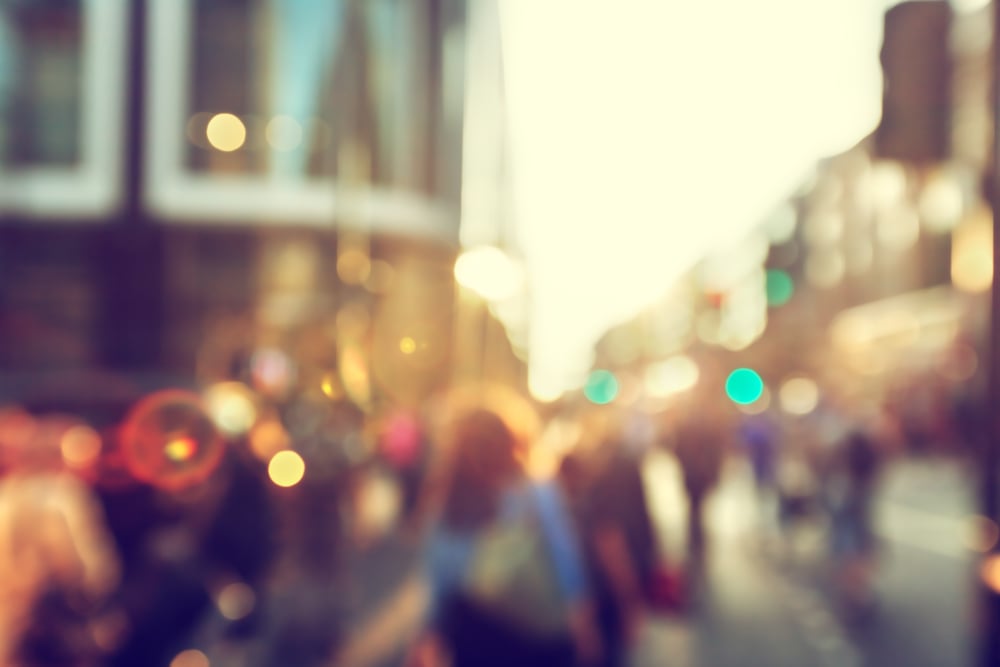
131,541
536,548
821,469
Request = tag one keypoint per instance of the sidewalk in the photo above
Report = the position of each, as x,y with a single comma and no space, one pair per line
743,616
753,607
737,621
766,608
373,608
745,613
386,602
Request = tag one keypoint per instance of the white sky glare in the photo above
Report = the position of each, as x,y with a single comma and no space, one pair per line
645,132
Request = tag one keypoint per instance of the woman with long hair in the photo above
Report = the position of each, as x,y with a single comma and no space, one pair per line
506,575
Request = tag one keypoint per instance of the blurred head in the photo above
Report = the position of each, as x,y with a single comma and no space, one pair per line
483,464
484,450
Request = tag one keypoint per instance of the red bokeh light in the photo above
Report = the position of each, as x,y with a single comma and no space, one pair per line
169,441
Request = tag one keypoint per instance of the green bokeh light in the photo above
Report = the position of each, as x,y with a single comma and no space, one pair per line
779,286
601,387
744,386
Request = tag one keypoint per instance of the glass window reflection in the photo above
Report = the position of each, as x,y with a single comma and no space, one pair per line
329,74
62,94
303,112
41,44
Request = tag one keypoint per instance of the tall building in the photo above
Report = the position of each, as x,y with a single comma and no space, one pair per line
172,171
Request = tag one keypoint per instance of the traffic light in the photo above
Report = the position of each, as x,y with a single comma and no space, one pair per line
744,386
602,387
779,286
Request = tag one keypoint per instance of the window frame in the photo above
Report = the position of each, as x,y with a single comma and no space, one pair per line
93,189
175,194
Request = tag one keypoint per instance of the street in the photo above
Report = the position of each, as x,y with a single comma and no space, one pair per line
763,608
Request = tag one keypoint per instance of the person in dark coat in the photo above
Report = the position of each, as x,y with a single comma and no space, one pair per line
487,489
607,493
851,490
700,447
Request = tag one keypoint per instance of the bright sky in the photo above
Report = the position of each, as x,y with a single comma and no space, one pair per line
646,132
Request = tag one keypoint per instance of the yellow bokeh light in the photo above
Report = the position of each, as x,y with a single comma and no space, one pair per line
941,203
286,468
331,387
190,658
888,183
232,406
80,446
407,345
226,132
972,255
180,449
798,396
354,374
379,502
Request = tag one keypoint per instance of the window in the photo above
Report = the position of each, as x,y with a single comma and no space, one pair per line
300,112
61,107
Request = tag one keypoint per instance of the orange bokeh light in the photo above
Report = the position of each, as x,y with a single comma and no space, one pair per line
991,572
267,438
190,658
80,446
